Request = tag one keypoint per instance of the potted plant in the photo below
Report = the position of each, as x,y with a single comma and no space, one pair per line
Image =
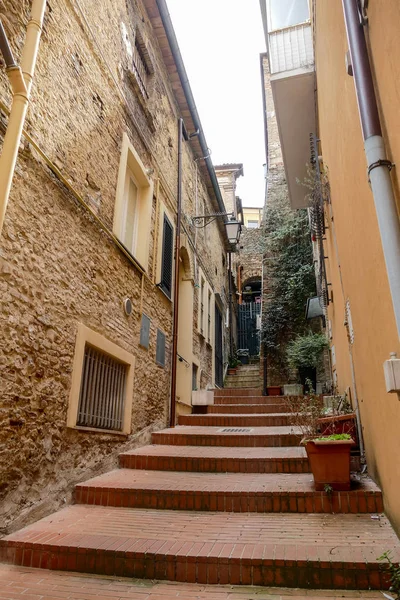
274,390
329,456
305,354
233,364
339,417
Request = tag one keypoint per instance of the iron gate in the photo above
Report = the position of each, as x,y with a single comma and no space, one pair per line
249,327
219,359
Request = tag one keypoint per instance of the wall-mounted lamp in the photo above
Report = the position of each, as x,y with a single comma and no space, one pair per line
233,227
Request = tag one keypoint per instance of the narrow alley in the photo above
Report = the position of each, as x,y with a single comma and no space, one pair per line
199,317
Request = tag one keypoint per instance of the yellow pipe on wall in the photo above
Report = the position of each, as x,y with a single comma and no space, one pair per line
21,83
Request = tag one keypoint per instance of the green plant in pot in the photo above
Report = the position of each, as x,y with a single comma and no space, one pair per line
233,363
305,354
329,456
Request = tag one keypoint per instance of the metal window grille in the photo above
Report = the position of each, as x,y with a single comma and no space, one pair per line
102,394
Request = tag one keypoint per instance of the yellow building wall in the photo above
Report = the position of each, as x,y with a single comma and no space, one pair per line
356,266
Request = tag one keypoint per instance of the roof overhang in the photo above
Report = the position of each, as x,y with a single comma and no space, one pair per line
160,20
294,100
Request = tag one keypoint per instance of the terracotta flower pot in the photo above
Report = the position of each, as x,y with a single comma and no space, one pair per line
330,463
274,390
338,424
232,371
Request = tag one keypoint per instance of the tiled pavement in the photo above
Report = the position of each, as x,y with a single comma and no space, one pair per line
21,583
212,507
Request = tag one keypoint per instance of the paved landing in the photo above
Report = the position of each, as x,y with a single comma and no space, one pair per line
21,583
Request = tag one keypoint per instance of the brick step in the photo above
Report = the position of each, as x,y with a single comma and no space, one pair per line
39,583
238,420
267,400
213,436
242,409
238,384
231,392
318,551
226,492
245,376
214,459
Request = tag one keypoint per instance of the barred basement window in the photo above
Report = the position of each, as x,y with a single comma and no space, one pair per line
102,394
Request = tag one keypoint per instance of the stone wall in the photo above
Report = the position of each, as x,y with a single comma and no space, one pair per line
252,247
59,268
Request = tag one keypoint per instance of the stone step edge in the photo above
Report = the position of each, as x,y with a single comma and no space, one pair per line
275,501
216,464
277,440
147,559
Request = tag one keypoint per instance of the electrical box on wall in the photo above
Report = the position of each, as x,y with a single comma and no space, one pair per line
391,369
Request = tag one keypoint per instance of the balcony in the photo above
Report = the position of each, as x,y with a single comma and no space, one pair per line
291,60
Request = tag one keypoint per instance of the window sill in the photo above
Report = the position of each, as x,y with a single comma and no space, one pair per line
164,293
96,430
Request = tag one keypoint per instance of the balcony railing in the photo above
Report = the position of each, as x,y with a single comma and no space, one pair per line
291,48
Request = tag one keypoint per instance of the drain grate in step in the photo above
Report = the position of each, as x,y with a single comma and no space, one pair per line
235,430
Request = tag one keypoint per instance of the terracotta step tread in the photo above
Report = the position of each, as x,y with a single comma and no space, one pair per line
228,436
34,583
239,415
209,547
250,400
232,482
246,409
236,420
217,459
199,430
239,453
224,492
244,392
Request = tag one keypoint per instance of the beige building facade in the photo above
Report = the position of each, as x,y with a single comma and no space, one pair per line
356,286
87,251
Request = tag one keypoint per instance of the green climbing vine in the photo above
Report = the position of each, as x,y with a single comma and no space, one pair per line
289,279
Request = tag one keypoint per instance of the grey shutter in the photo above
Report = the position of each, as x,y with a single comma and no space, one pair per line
160,348
167,257
145,332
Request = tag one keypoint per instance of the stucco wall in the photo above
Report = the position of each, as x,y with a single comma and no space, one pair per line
353,241
57,268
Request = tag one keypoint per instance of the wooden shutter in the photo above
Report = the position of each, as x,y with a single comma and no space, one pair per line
167,257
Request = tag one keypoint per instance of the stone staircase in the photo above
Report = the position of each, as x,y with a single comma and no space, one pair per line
247,376
223,498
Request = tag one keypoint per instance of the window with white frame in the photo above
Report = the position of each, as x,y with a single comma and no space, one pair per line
133,205
252,224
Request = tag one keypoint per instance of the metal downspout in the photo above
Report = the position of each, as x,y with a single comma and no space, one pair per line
378,164
21,83
172,417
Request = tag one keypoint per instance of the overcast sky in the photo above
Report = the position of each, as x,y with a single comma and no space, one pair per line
220,42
